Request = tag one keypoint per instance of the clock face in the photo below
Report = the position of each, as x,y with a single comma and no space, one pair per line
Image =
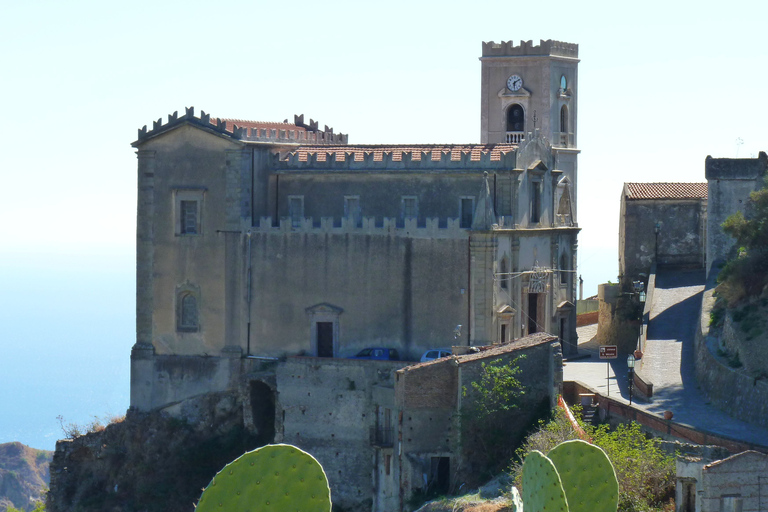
514,83
563,83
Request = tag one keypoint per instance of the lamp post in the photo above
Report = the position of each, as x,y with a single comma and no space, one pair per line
656,231
631,367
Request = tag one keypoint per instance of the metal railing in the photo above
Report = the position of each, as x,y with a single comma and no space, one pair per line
383,437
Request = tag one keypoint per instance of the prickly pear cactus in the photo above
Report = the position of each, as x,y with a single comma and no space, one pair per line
274,478
587,475
542,490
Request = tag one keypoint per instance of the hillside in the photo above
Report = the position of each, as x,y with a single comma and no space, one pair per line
24,475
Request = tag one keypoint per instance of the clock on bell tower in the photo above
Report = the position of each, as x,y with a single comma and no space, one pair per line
527,87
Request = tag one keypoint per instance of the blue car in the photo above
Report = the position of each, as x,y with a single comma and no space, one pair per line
378,353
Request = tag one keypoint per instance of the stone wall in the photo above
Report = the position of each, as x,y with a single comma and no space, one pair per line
681,237
328,408
738,479
732,390
389,291
431,427
613,325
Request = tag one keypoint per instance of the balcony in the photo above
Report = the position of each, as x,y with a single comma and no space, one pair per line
515,137
382,437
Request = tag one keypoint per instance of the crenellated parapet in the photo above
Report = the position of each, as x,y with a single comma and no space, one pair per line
485,157
367,226
247,131
548,47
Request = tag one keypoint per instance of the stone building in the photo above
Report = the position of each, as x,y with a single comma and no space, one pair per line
263,248
664,223
735,484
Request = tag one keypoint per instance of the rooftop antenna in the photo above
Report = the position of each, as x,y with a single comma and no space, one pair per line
739,143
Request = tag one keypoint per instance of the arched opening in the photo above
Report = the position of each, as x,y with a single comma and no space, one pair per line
187,319
564,126
564,119
515,118
263,412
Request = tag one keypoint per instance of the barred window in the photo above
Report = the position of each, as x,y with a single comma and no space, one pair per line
188,218
188,315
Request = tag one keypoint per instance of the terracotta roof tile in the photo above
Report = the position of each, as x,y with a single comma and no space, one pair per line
665,190
261,125
358,152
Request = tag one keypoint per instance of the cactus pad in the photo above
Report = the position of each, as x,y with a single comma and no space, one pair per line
542,490
274,478
587,475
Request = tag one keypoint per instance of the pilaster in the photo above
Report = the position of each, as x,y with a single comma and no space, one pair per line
482,247
145,239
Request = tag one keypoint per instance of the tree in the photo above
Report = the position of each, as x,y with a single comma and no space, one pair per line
489,418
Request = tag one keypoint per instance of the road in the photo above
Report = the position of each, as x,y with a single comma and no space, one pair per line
667,361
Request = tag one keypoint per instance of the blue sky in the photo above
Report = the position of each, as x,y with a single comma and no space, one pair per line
662,85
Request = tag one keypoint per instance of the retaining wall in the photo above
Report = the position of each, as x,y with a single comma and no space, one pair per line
740,395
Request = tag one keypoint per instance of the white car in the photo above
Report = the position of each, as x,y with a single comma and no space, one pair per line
435,353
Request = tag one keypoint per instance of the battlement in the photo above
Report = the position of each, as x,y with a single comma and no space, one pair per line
367,226
736,168
486,157
548,47
247,131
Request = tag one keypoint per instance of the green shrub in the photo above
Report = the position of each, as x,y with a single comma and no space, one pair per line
646,474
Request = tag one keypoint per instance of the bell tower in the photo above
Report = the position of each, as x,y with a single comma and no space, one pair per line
529,87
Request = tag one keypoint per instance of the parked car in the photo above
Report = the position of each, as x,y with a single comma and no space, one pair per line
435,353
379,353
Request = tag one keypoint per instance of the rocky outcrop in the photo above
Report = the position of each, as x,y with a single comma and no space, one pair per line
150,461
24,476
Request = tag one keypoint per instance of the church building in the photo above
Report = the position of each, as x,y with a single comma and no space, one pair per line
263,242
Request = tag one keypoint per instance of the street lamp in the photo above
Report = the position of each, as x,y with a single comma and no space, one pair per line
631,367
656,231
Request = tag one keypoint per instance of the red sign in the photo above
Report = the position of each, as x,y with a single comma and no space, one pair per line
609,352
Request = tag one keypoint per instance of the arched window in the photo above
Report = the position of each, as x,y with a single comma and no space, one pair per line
515,118
564,119
188,317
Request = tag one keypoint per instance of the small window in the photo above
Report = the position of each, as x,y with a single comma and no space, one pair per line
564,268
188,211
564,119
296,210
352,209
467,212
189,218
535,202
188,313
409,207
503,271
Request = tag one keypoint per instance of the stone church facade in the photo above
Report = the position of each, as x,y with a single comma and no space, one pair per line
266,245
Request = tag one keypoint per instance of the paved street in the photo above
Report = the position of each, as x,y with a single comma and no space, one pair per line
667,361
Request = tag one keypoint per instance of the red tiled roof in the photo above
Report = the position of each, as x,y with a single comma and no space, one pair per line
357,153
665,190
262,125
